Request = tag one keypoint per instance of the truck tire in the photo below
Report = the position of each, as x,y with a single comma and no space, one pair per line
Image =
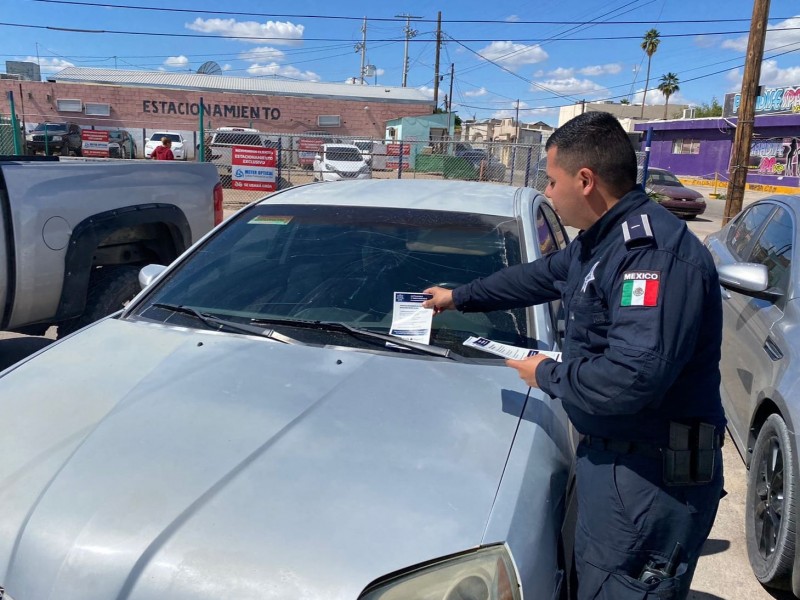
110,289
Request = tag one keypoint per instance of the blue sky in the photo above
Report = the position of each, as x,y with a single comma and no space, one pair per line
595,54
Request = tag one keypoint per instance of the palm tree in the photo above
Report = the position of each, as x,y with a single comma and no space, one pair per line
650,44
668,86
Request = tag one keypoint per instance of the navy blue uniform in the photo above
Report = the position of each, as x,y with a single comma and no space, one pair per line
641,349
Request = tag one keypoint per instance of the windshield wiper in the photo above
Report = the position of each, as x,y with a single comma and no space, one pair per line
214,322
357,331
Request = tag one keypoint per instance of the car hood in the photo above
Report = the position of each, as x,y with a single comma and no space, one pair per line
143,461
676,192
347,166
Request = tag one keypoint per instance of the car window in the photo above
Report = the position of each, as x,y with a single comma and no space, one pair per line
555,226
343,154
54,127
174,137
773,248
663,178
545,236
363,145
741,233
335,263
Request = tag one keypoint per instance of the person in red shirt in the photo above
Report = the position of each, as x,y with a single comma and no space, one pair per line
164,151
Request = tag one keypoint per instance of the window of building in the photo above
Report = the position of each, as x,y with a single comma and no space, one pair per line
97,109
685,146
329,121
69,105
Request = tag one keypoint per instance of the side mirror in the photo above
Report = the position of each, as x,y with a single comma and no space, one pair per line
751,279
149,273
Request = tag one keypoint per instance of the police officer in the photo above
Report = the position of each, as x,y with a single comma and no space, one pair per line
639,376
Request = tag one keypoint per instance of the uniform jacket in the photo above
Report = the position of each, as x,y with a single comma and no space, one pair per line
643,322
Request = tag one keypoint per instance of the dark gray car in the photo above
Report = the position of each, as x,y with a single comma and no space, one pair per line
760,383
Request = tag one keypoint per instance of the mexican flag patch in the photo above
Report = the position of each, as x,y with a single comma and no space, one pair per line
640,288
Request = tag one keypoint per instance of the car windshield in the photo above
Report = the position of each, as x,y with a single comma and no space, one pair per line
174,137
236,139
115,135
343,154
54,127
663,178
363,145
343,264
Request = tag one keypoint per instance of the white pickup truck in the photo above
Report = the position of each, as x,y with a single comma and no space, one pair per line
74,234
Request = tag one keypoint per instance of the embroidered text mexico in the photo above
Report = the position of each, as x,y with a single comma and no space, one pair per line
631,275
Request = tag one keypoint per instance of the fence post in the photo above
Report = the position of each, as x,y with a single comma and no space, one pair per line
528,165
46,140
14,125
201,150
513,164
647,142
280,155
400,162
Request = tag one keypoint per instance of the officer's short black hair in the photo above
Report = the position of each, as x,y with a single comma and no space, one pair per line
597,141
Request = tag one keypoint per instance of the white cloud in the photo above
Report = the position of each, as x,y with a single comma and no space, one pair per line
571,85
263,54
479,92
528,115
282,71
380,72
512,19
226,67
539,73
428,91
275,32
785,32
561,73
49,65
595,70
704,41
510,113
654,97
512,55
771,75
177,61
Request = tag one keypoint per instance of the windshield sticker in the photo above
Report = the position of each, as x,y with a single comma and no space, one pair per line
507,351
409,320
269,220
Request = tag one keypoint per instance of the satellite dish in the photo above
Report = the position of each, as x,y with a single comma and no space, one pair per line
210,68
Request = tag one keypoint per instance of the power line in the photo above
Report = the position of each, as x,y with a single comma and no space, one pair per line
388,19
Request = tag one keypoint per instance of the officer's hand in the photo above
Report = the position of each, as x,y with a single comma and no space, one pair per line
442,299
527,368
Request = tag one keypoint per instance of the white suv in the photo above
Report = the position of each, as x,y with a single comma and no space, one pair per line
340,161
178,144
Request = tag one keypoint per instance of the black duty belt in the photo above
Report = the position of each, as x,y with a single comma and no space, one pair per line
639,448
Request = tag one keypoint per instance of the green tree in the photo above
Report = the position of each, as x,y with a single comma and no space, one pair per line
714,109
650,44
624,101
668,86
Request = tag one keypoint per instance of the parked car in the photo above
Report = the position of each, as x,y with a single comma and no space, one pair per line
374,153
121,144
669,192
760,384
244,429
178,144
493,169
335,162
219,143
54,138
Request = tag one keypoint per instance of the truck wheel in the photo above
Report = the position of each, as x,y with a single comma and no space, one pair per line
770,508
110,289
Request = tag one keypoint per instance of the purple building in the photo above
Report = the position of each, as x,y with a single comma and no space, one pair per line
702,147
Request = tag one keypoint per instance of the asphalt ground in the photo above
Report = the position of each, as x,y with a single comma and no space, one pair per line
723,571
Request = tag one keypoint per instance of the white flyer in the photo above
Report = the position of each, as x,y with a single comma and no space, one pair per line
514,352
409,320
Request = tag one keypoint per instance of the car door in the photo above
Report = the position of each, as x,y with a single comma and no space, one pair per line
751,349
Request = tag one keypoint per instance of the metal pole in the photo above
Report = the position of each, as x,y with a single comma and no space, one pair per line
202,146
280,164
14,125
436,64
648,141
46,141
740,155
516,124
528,165
450,102
363,48
410,33
400,163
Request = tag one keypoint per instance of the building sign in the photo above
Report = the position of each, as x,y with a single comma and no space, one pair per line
393,155
778,157
220,111
785,100
94,143
253,168
309,147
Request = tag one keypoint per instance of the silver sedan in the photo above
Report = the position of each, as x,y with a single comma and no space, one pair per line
248,428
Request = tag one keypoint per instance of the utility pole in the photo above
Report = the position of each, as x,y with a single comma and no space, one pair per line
740,153
410,33
516,124
436,65
450,99
362,46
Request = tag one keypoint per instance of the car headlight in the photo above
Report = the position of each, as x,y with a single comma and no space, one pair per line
329,167
30,139
486,574
56,138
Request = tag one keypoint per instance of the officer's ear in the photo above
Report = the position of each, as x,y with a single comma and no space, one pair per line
587,180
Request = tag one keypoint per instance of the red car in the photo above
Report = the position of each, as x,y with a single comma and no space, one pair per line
670,193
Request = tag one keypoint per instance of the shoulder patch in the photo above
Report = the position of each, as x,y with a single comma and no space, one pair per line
640,288
637,232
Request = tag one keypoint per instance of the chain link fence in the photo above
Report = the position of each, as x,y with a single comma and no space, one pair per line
7,133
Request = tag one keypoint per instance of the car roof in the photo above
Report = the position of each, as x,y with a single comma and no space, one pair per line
340,146
420,194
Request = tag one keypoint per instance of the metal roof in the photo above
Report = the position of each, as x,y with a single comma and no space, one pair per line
246,85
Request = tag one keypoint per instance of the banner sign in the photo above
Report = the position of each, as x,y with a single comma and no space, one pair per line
94,143
770,101
393,155
253,168
309,147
